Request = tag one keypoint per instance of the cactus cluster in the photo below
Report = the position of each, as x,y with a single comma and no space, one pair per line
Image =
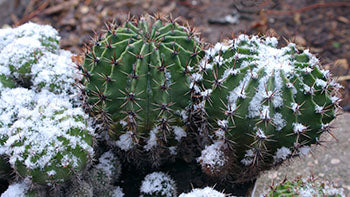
44,136
136,80
262,104
243,106
302,187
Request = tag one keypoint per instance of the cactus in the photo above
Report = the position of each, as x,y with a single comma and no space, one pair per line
44,136
136,79
302,187
205,192
83,189
158,184
265,104
30,57
104,174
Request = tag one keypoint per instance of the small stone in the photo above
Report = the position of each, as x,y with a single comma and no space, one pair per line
84,9
335,161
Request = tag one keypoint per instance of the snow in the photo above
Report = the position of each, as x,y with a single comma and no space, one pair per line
298,128
118,192
16,190
179,133
152,140
281,154
212,156
205,192
278,121
125,142
248,157
109,164
158,183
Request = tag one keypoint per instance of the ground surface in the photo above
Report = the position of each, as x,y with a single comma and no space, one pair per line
322,26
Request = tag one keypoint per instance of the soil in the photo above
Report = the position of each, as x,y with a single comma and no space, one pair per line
322,26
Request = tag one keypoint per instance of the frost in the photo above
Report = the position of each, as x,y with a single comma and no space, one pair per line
179,133
212,156
109,164
205,192
42,121
152,140
118,192
248,157
279,122
125,142
298,128
158,184
304,150
318,109
281,154
16,190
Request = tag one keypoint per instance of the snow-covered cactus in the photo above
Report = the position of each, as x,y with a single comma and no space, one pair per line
102,176
264,103
304,188
136,79
44,136
158,184
83,189
30,57
205,192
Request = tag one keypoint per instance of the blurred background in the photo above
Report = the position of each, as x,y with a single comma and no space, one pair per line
321,26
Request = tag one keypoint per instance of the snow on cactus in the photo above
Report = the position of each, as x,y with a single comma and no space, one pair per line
305,188
158,184
266,104
102,176
30,57
205,192
136,79
44,136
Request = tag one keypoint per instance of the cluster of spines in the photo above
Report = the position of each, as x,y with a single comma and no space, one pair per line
136,77
257,129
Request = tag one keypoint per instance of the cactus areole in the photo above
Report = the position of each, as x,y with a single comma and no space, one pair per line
137,78
266,104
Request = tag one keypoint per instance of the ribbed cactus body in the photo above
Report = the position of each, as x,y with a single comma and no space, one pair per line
266,103
137,81
44,136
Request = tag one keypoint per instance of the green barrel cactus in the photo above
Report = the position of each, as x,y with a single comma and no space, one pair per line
305,187
264,103
137,77
44,136
105,174
30,57
158,184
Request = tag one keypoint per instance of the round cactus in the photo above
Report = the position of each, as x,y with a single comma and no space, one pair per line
104,174
83,189
136,79
158,184
30,58
304,188
44,136
205,192
266,104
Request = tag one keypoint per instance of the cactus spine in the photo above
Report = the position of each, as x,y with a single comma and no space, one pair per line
137,82
266,104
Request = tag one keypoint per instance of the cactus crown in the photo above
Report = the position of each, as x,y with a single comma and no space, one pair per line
265,102
137,77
